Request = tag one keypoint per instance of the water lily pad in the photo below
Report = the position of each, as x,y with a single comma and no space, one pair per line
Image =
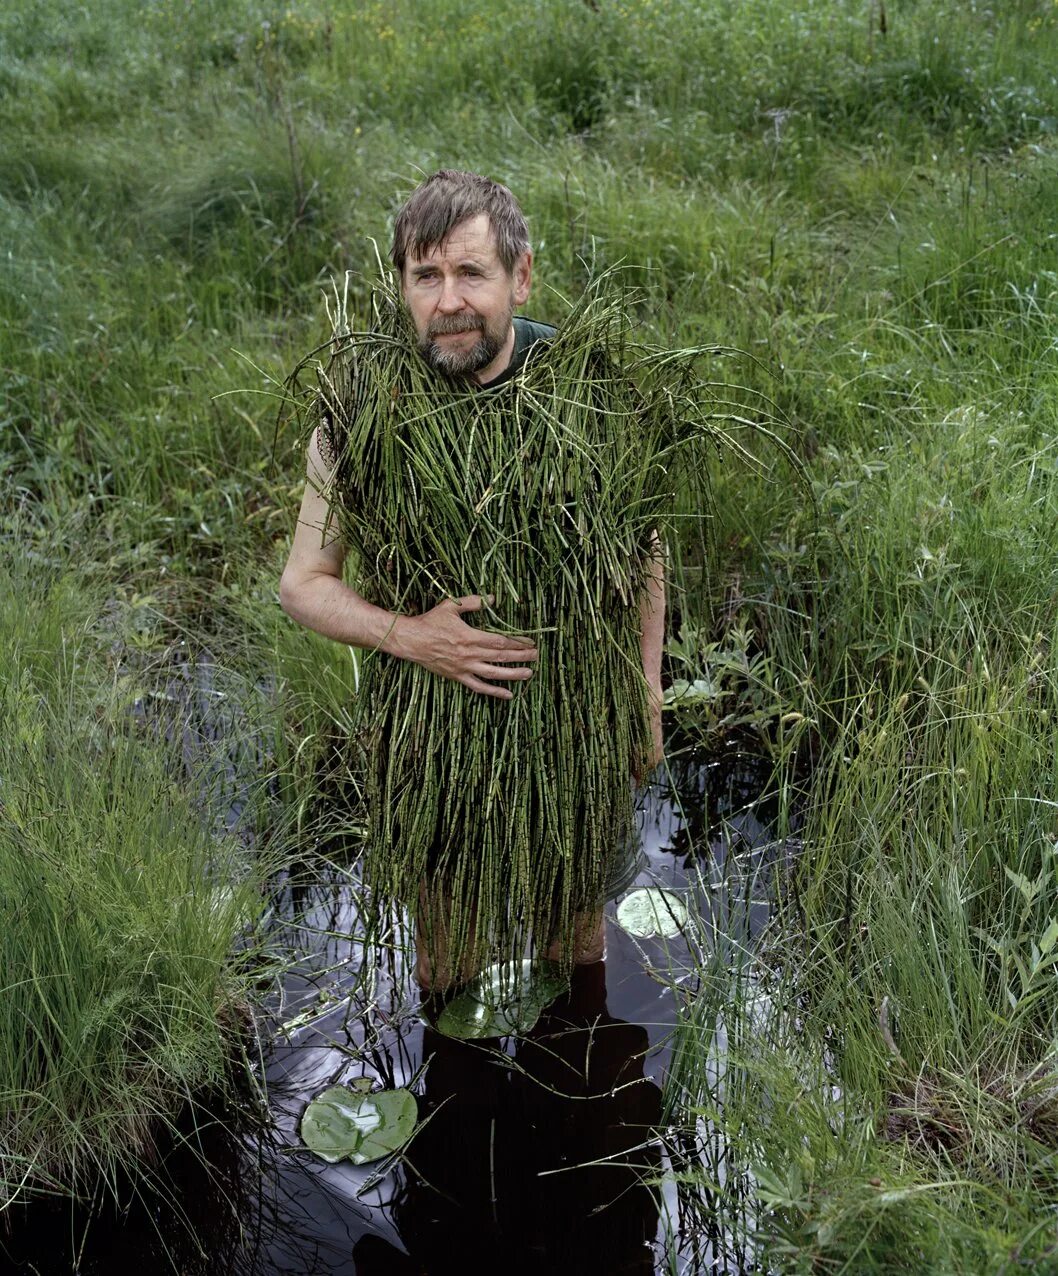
652,911
504,999
346,1124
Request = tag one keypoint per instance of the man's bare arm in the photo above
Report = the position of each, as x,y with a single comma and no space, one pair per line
312,591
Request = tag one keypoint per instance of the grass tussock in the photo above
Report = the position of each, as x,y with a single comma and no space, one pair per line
903,1080
122,907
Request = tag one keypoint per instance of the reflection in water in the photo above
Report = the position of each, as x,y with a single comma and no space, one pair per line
189,1217
534,1162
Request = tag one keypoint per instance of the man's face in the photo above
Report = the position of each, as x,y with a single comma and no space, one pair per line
462,299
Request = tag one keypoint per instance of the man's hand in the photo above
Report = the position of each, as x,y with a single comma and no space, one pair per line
313,593
441,641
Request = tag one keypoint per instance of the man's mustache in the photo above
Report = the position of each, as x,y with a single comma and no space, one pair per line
446,325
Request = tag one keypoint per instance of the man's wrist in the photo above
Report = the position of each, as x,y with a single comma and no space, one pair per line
396,641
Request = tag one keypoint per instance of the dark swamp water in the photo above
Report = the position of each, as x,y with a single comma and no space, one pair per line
533,1155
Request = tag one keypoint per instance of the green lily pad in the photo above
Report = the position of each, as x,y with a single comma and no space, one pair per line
346,1124
504,999
652,912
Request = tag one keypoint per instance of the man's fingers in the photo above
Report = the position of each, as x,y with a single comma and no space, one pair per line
485,688
496,671
473,602
504,655
492,642
507,642
495,646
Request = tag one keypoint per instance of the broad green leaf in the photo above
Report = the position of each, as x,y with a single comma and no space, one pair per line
652,911
346,1124
1049,936
504,999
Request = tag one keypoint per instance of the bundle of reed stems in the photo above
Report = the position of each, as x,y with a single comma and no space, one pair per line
545,493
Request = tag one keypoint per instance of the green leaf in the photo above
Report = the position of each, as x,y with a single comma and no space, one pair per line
347,1124
504,999
652,911
771,1189
1026,888
1047,939
684,691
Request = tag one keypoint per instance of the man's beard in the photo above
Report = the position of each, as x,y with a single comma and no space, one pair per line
463,363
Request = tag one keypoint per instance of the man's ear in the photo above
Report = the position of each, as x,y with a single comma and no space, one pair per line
523,277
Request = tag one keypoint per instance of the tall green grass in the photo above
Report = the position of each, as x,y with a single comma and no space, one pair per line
122,905
881,1075
889,1105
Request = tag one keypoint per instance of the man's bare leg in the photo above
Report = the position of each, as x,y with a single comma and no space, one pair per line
589,939
433,970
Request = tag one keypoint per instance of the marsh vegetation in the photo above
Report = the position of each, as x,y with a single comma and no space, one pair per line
858,196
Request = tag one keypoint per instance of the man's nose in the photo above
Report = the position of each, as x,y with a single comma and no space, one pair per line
450,301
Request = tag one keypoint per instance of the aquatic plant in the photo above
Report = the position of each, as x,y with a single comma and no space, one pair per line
503,1000
652,911
357,1123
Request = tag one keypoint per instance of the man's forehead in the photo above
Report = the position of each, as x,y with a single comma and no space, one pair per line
470,238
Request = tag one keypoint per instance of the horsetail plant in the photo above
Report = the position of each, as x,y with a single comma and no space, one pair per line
497,820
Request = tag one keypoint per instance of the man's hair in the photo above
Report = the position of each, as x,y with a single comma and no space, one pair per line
446,200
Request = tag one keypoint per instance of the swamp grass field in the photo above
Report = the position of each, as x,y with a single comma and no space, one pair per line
857,195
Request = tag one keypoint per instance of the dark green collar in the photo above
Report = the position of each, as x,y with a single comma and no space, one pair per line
527,332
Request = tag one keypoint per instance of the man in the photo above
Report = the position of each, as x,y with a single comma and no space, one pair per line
462,255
